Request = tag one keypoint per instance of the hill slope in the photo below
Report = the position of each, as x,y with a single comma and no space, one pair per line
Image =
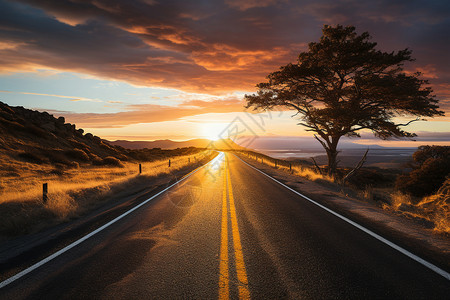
28,136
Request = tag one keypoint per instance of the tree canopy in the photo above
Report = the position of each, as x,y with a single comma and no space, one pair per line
343,85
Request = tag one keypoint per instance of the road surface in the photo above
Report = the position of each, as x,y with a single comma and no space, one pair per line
229,232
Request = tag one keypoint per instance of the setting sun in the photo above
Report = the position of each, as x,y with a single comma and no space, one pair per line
213,131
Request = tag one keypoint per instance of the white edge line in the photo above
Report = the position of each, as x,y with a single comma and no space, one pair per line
423,262
70,246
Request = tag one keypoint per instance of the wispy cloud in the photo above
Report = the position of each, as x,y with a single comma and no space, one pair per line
72,98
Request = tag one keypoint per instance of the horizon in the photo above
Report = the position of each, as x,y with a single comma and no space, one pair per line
117,74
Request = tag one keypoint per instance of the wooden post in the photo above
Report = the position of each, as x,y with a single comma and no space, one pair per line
45,192
275,163
189,159
290,167
140,169
169,163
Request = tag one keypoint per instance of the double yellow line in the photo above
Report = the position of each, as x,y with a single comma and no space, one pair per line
224,280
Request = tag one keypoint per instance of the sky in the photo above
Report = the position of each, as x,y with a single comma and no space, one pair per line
149,69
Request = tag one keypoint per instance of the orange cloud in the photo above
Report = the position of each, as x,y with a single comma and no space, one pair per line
150,113
217,48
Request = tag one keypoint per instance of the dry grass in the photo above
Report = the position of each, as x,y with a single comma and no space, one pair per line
71,192
298,170
434,209
437,208
310,174
398,198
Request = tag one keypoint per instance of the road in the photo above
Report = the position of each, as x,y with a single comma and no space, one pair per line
230,232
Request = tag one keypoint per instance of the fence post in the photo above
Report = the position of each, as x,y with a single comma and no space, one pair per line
290,167
189,159
45,192
140,169
169,162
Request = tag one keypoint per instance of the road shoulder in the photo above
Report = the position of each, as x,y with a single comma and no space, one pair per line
406,233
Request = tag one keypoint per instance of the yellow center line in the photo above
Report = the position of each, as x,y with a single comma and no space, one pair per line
224,280
244,292
224,292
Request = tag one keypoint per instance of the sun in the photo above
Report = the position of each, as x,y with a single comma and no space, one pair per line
213,131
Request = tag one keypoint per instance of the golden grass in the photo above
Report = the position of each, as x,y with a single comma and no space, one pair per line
398,198
435,209
303,171
76,190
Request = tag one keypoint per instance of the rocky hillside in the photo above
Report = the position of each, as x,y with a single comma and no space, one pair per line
39,138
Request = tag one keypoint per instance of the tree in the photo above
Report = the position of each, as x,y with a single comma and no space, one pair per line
343,85
432,167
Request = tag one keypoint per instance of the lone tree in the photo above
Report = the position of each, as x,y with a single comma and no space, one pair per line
343,85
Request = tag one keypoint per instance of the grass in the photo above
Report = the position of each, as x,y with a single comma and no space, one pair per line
290,167
71,192
434,208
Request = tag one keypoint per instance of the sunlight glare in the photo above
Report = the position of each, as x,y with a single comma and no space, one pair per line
213,131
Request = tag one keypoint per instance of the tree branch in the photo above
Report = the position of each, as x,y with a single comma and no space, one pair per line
406,124
317,166
322,142
358,166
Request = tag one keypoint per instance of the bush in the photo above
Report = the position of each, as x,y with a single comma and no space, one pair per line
107,161
77,154
97,161
431,168
112,161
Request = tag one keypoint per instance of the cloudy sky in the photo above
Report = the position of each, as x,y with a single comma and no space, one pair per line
152,69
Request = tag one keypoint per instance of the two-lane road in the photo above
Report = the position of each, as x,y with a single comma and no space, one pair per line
229,231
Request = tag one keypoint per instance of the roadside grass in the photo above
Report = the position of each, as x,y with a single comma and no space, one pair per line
291,167
432,211
434,208
72,192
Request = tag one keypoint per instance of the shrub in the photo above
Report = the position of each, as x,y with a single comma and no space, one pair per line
97,161
112,161
107,161
432,167
77,154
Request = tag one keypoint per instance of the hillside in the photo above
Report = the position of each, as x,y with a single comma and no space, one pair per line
224,144
28,136
163,144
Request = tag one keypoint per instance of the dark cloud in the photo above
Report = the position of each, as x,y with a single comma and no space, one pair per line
209,46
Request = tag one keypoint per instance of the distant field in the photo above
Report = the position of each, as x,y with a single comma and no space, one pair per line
382,158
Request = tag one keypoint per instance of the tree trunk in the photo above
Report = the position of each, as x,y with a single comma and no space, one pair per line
332,161
330,147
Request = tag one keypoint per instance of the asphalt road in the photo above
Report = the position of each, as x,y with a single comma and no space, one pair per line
229,231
